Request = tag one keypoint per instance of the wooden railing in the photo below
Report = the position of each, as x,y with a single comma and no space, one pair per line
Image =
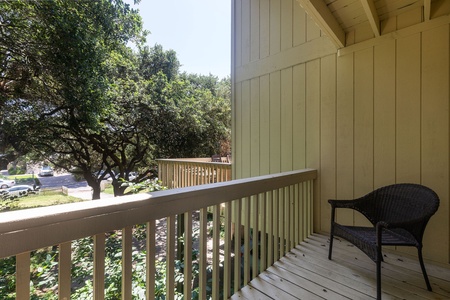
274,213
176,173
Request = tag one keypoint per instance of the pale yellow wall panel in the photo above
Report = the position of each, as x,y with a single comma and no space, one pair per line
435,134
255,145
313,130
238,32
254,31
312,30
299,116
264,22
363,154
299,24
327,137
237,148
286,23
384,114
275,122
286,120
245,107
344,139
246,33
409,18
275,26
408,81
264,111
363,32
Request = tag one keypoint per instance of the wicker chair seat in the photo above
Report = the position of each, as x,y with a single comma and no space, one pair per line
399,214
365,238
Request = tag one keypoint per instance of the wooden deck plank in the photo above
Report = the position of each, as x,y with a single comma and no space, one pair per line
306,273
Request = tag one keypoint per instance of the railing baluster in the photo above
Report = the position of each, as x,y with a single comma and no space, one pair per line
263,230
292,229
127,251
151,258
216,255
99,266
255,233
227,253
247,243
187,255
203,253
276,223
170,258
237,245
296,215
64,270
281,220
270,229
287,220
23,276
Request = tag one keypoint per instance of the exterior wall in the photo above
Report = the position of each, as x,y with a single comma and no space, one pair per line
368,115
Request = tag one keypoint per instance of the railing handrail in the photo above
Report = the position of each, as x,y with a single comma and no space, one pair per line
206,161
27,230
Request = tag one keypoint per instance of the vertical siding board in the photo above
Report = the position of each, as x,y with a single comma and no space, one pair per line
299,24
264,31
299,117
254,31
312,30
313,129
246,32
286,119
264,111
408,89
327,137
384,114
237,154
363,155
275,24
254,130
286,24
246,122
435,134
238,32
275,122
344,132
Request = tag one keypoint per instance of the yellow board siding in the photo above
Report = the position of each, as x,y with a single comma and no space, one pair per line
375,113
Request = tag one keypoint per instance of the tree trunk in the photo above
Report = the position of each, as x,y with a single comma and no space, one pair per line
96,191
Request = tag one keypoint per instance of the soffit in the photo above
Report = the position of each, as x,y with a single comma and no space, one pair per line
336,18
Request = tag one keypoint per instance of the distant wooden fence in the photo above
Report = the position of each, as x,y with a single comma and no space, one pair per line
178,173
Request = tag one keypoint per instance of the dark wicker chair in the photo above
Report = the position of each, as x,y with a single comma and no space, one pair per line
399,214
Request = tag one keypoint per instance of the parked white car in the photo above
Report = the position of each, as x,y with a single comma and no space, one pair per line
6,183
17,191
46,171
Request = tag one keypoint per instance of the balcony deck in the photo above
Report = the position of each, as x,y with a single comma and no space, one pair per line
306,273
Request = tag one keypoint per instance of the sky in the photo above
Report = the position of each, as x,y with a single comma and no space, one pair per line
198,30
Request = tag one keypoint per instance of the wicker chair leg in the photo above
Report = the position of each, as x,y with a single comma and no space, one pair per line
330,249
378,262
424,272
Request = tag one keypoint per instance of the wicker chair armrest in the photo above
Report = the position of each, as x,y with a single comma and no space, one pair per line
343,203
404,225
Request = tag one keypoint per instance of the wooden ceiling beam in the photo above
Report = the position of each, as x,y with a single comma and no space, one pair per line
426,10
372,16
320,13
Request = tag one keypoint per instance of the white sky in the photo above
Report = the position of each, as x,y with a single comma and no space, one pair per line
198,30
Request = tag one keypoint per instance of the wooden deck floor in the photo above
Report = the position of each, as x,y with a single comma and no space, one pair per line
306,273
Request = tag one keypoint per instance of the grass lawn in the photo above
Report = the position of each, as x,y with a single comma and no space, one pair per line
45,198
